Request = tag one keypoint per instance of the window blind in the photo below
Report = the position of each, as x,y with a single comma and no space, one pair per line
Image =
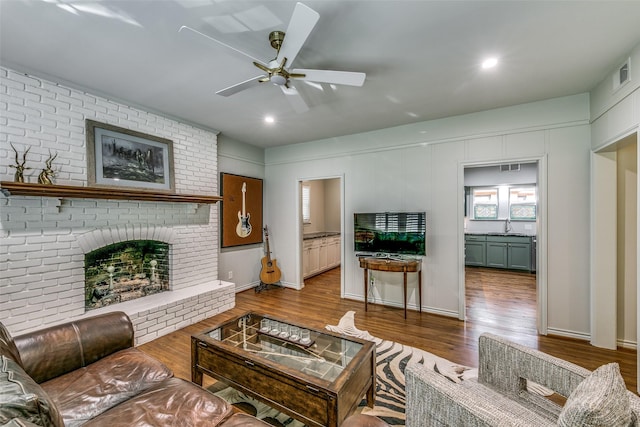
306,203
411,222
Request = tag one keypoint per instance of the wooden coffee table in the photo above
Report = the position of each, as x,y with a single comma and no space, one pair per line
318,382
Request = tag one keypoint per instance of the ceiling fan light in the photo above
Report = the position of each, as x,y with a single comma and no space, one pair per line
278,79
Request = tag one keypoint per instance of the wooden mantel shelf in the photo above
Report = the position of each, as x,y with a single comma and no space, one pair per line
72,191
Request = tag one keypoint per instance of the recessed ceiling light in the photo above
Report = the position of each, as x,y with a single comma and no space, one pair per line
489,63
269,119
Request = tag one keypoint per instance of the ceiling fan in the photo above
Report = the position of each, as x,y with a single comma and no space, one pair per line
278,70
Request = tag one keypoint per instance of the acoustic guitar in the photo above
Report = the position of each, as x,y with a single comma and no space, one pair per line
270,273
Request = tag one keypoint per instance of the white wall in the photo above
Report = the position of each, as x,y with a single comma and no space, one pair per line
243,262
332,219
615,115
627,218
616,112
41,261
418,167
324,205
316,206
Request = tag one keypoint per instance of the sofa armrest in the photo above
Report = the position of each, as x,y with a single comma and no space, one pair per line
434,400
57,350
506,366
634,403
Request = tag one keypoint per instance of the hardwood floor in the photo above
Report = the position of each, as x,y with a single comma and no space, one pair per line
501,299
496,303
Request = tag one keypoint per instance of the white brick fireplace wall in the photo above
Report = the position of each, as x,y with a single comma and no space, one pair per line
44,239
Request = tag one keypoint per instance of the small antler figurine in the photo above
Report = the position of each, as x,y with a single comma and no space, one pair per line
20,167
47,173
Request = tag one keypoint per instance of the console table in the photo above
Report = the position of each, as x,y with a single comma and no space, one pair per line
395,265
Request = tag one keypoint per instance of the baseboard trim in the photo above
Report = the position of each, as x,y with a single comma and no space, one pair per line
620,343
569,334
251,285
255,283
438,311
395,304
630,345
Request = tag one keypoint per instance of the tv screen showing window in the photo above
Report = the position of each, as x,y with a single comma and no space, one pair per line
402,233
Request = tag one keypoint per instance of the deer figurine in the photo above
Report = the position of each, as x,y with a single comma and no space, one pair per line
20,167
47,173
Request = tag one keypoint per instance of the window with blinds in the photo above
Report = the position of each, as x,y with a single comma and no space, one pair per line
485,202
306,204
523,202
404,222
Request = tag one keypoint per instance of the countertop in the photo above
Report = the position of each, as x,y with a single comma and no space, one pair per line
501,234
319,234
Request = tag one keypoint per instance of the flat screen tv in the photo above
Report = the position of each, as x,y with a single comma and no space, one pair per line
402,233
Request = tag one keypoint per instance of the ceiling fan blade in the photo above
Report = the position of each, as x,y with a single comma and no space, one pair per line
241,86
328,76
302,22
262,67
185,29
294,98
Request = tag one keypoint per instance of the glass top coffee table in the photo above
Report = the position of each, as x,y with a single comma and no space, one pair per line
316,377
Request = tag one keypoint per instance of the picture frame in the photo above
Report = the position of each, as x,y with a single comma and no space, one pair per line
119,157
241,217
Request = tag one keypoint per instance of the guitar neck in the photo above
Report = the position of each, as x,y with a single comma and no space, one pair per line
268,251
266,242
244,192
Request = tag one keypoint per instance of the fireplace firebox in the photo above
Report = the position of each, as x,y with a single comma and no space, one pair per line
125,271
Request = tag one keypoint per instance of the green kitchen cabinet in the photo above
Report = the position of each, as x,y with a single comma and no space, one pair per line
497,254
519,256
475,250
498,251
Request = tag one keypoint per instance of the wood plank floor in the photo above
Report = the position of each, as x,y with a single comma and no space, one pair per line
498,302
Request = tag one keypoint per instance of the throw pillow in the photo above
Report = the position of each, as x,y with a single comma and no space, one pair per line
599,400
22,398
7,346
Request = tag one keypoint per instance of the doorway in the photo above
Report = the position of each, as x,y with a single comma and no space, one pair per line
321,226
502,238
614,274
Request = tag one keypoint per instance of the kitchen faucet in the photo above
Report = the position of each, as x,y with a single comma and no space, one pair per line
507,225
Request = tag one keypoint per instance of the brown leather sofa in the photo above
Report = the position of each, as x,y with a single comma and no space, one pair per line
88,373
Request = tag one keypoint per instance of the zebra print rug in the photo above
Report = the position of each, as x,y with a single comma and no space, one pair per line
391,360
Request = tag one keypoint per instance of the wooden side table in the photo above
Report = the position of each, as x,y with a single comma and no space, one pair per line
395,265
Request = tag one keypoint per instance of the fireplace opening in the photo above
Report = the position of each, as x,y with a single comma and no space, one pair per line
125,271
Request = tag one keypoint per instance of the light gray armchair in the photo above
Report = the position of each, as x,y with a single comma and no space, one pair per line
500,396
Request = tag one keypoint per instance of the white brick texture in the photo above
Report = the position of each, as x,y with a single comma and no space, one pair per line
43,240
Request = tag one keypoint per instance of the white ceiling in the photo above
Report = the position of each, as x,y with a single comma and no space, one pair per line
422,58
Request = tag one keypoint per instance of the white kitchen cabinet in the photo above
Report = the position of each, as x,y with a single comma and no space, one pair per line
333,251
320,254
306,254
311,257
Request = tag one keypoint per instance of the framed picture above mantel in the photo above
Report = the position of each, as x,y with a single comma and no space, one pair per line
241,217
119,157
